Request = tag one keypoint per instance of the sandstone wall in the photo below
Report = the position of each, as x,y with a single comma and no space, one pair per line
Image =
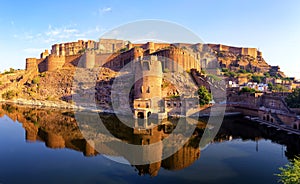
101,59
249,51
151,46
42,65
236,50
176,59
31,64
117,61
54,62
111,45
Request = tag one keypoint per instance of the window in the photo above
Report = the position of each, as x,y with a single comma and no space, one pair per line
168,104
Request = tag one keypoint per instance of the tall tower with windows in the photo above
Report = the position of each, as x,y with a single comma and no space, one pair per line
147,87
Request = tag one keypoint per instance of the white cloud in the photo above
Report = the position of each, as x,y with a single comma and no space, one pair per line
60,34
105,10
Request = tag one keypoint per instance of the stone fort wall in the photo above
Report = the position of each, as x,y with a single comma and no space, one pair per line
236,50
117,53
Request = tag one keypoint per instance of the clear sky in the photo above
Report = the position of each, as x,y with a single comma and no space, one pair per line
273,26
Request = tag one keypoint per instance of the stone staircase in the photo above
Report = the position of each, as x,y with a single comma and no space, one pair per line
277,119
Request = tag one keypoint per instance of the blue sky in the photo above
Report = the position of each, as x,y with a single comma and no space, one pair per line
273,26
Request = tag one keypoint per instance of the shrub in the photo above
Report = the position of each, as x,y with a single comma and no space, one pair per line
204,96
293,99
290,174
43,74
9,95
224,70
256,78
267,75
124,49
247,90
230,74
36,80
242,71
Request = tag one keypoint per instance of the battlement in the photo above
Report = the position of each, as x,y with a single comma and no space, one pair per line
150,46
115,54
72,48
236,50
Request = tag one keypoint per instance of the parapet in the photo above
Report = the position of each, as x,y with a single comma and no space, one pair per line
236,50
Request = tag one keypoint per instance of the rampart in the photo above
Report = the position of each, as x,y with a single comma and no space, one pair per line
236,50
117,53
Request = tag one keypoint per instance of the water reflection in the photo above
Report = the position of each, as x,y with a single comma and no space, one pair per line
59,129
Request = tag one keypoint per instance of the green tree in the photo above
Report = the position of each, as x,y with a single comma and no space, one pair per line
256,78
247,90
204,95
270,86
290,173
224,70
267,75
232,74
242,71
124,49
293,99
280,88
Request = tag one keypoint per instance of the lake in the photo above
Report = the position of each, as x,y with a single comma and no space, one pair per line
50,146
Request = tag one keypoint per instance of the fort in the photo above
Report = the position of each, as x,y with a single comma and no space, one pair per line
115,54
148,62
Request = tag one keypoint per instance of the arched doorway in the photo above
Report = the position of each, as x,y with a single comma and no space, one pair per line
268,117
295,126
140,115
148,114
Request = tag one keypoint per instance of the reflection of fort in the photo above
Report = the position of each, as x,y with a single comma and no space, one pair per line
60,130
